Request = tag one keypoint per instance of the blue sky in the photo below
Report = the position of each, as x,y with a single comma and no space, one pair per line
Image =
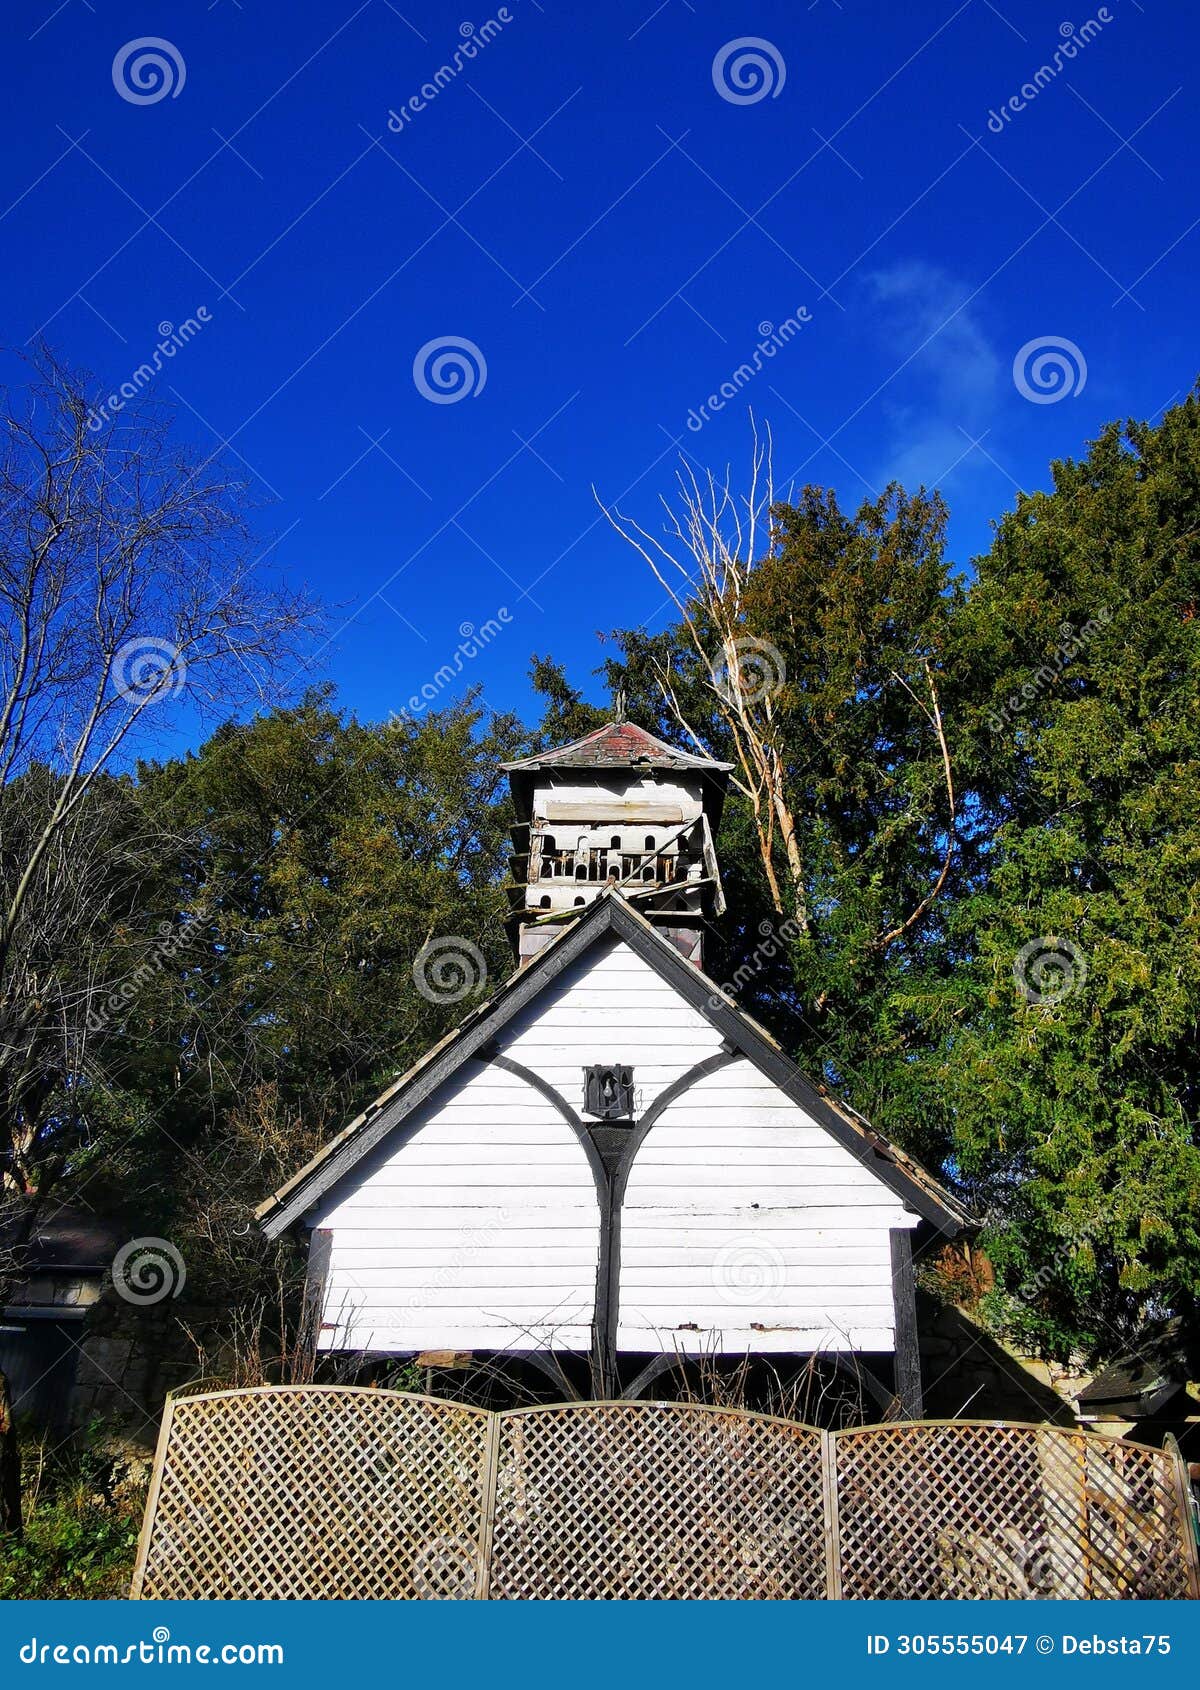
614,236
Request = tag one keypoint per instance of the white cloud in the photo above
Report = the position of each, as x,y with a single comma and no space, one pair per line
951,376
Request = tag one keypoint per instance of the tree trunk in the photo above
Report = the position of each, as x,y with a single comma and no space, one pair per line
10,1466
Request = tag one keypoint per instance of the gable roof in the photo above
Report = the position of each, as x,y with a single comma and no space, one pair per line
617,745
609,914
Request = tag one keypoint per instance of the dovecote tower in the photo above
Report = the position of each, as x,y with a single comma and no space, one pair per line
617,810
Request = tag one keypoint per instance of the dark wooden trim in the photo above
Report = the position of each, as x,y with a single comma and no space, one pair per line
547,1362
554,1096
654,1367
316,1277
603,1328
616,1195
607,915
685,1082
909,1394
610,1188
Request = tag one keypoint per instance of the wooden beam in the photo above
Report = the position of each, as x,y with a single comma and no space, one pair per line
909,1393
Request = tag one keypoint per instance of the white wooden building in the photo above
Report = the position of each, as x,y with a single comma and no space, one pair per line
609,1159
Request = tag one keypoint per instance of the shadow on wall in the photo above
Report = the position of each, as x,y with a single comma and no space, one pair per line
968,1374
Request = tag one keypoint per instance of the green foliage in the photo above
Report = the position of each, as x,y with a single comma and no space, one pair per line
82,1519
1068,672
1075,1118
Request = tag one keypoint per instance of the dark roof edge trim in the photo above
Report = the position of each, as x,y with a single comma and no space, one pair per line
286,1205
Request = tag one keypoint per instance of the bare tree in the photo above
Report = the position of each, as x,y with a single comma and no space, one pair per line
713,540
129,589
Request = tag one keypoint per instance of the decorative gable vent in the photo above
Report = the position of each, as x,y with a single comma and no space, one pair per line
608,1093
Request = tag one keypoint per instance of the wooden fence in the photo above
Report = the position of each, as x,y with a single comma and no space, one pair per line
338,1491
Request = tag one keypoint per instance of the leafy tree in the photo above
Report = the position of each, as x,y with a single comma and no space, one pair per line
1068,1083
340,891
840,837
1032,1032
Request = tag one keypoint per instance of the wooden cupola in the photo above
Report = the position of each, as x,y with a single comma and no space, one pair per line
622,811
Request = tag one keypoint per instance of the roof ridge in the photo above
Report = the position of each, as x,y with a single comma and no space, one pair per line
633,734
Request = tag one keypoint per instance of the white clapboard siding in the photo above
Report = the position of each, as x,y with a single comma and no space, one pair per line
476,1226
610,1007
747,1227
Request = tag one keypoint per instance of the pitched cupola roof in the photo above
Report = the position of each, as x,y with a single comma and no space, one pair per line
617,745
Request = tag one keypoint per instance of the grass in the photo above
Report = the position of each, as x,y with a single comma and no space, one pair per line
83,1510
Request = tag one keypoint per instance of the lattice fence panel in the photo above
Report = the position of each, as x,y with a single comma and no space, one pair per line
327,1491
316,1491
656,1500
966,1509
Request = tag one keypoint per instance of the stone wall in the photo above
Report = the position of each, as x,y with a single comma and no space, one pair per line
130,1357
972,1375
